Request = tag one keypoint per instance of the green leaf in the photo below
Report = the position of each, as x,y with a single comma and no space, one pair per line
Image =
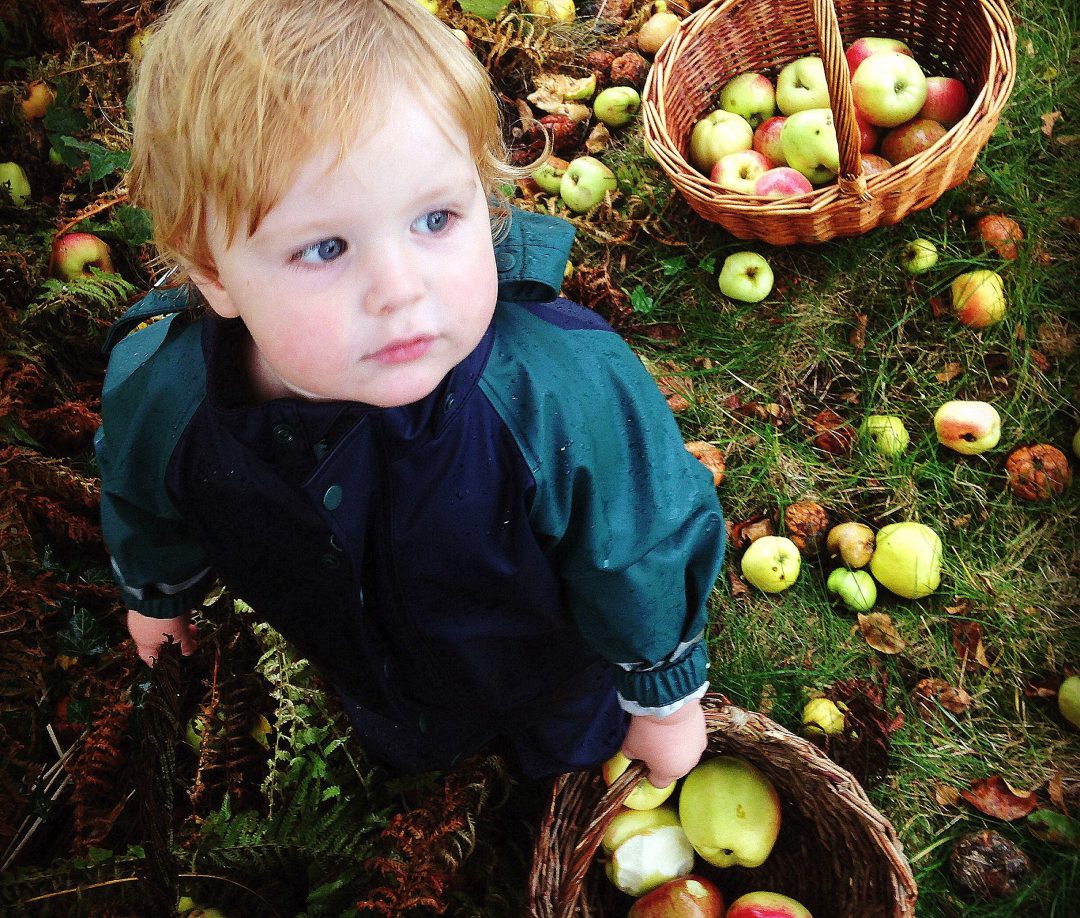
485,9
84,634
708,264
673,266
103,161
641,301
1053,827
61,119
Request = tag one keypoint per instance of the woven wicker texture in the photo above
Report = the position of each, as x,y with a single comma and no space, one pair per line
972,40
836,853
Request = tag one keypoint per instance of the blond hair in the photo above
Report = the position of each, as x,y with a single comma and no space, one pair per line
233,96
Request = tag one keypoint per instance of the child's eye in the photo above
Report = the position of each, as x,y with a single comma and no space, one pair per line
433,222
321,252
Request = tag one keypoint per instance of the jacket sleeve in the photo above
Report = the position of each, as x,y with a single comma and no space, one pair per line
152,387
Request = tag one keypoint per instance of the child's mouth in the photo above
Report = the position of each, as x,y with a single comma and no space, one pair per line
403,351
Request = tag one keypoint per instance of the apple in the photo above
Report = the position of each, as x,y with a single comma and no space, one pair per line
852,543
617,105
750,95
730,812
782,182
946,100
740,171
809,143
856,589
746,276
820,716
918,256
978,298
39,96
629,822
549,173
485,9
1068,699
644,796
585,183
907,559
771,563
888,89
13,180
862,48
657,29
136,45
74,254
968,427
650,859
888,433
559,10
910,139
767,905
684,897
802,85
1000,234
716,135
1076,443
868,134
767,139
873,164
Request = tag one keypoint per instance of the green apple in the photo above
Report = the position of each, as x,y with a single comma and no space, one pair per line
856,589
644,796
1076,443
730,812
74,254
559,10
432,6
888,88
746,276
716,135
808,139
907,559
978,298
657,29
629,822
549,173
918,256
617,105
821,716
802,85
771,563
968,427
585,183
750,95
852,543
650,859
137,44
1068,700
762,904
14,181
888,433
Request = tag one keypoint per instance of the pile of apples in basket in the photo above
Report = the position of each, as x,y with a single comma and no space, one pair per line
745,146
728,815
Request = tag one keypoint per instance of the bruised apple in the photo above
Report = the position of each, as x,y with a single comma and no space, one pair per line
644,796
685,897
767,905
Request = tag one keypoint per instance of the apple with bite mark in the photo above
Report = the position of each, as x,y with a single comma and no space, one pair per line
889,89
750,95
629,822
39,96
684,897
771,563
978,298
872,164
782,182
859,50
907,559
810,146
968,427
767,905
14,182
650,859
585,183
716,135
74,254
767,139
918,256
946,100
740,171
549,173
746,276
802,85
644,796
617,105
911,139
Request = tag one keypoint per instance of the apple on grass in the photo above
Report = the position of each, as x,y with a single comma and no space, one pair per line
74,254
13,180
782,182
740,171
851,542
802,85
730,812
549,173
1068,699
1076,443
946,100
585,183
617,105
856,589
750,95
39,96
888,89
888,434
684,897
645,796
907,559
746,276
911,138
771,563
764,904
809,143
716,135
767,139
862,48
918,256
978,298
968,427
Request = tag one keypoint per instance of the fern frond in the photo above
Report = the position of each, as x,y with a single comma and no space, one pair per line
100,293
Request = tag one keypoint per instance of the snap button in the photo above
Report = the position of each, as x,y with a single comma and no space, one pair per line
283,433
505,261
332,498
330,562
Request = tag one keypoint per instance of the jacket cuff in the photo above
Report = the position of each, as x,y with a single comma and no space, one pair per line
659,691
162,601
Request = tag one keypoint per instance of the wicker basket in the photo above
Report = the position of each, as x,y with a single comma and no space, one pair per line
836,854
972,40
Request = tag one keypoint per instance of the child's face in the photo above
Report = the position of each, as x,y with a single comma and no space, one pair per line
369,282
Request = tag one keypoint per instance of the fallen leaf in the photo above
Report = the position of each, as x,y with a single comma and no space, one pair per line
1041,687
929,694
832,433
710,457
746,531
968,643
599,139
995,798
880,633
1048,121
945,795
738,585
961,608
1055,828
962,522
951,371
857,338
1055,788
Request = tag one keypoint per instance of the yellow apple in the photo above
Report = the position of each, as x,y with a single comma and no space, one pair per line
650,859
629,822
771,563
1068,700
907,559
978,298
644,796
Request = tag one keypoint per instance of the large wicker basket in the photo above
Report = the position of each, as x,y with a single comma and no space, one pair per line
972,40
836,854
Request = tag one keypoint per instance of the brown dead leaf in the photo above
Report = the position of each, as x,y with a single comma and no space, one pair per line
774,413
960,608
951,371
968,643
962,522
1055,788
945,795
1041,687
710,457
880,633
746,531
995,798
929,694
599,139
938,307
738,585
1049,119
832,433
857,338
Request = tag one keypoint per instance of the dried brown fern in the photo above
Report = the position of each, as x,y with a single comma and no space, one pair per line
99,779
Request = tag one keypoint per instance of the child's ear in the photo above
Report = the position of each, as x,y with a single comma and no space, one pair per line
212,290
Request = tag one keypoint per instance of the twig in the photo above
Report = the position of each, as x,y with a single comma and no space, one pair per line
96,209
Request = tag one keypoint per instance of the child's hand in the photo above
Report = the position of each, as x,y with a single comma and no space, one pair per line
670,746
150,633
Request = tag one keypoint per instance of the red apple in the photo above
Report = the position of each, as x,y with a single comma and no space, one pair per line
74,254
767,905
911,139
685,897
39,96
872,164
968,427
868,134
946,100
767,139
739,171
781,182
859,50
978,298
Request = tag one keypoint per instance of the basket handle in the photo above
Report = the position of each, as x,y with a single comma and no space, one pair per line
831,45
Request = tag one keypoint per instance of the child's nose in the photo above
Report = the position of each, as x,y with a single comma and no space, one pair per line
396,281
